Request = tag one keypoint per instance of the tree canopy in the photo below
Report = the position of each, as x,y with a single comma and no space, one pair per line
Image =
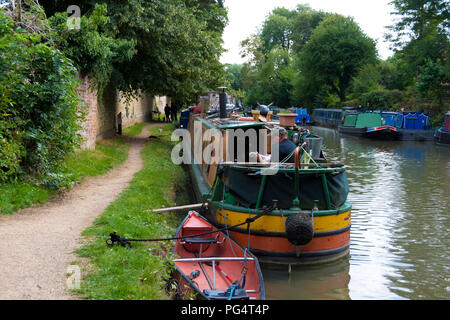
332,63
335,53
167,47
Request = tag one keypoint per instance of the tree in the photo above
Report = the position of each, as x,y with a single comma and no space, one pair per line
334,54
234,75
421,41
277,30
417,19
303,24
175,44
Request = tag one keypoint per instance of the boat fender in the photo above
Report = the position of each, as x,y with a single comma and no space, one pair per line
295,138
299,229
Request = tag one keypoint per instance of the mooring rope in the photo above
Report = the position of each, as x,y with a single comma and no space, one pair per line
125,242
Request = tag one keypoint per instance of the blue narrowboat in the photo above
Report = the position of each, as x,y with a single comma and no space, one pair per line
414,126
327,117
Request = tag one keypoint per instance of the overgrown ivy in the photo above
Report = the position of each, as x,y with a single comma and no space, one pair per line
38,103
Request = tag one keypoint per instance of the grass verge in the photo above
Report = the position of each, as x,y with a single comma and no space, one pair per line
136,273
78,165
135,129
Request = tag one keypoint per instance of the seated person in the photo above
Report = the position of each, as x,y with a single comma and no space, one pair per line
286,147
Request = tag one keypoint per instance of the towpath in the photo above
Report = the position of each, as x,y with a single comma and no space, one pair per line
37,244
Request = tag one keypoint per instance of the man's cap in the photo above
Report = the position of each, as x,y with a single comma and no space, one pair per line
281,131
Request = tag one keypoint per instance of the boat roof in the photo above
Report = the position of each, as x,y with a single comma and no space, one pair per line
231,124
325,109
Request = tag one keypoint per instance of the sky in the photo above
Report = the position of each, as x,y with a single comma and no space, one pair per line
245,16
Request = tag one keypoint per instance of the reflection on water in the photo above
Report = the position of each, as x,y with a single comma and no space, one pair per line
400,192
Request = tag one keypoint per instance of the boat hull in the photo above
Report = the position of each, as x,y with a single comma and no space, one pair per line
352,131
443,137
382,133
416,135
267,238
377,133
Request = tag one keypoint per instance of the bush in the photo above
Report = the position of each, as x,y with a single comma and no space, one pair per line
382,99
38,103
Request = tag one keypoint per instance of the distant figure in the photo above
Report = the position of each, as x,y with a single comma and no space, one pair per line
119,123
174,111
167,112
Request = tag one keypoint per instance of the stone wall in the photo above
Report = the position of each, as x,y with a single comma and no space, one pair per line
106,118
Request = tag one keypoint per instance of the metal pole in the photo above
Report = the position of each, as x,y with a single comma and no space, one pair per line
326,191
261,192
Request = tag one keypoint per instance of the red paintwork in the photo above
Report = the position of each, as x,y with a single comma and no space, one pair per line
196,224
447,123
282,245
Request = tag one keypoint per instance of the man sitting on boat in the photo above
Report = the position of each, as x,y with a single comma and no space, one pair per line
286,147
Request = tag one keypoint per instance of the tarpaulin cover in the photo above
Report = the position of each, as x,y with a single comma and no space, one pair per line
244,187
368,120
389,119
302,113
399,121
350,120
411,121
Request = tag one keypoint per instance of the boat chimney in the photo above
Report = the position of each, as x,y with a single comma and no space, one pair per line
222,104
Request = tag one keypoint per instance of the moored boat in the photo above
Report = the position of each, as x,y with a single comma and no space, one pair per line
213,266
312,195
369,125
442,136
330,118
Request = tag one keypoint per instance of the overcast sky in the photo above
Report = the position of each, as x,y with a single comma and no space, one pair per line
245,16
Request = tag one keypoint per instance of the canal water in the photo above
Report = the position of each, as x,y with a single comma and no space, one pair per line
399,239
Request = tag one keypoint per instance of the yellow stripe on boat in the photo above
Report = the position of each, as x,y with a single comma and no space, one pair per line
270,223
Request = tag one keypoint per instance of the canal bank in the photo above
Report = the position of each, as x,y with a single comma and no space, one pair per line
137,273
398,242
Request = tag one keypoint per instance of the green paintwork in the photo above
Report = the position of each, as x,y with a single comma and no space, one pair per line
346,207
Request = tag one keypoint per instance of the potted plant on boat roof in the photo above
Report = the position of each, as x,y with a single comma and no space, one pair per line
287,118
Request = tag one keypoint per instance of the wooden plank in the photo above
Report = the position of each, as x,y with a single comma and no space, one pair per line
179,208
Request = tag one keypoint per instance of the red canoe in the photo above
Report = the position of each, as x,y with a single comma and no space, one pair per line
214,266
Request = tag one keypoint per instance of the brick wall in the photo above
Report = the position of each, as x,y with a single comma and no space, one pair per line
89,125
102,112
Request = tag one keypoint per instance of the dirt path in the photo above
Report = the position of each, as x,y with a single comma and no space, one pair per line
37,244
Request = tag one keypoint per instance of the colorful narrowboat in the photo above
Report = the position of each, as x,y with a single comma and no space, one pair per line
309,221
443,133
368,125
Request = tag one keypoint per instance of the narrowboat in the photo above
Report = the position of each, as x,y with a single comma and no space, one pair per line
212,266
330,118
443,133
309,218
368,125
413,126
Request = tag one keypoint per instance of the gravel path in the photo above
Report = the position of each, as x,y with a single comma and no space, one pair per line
37,244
